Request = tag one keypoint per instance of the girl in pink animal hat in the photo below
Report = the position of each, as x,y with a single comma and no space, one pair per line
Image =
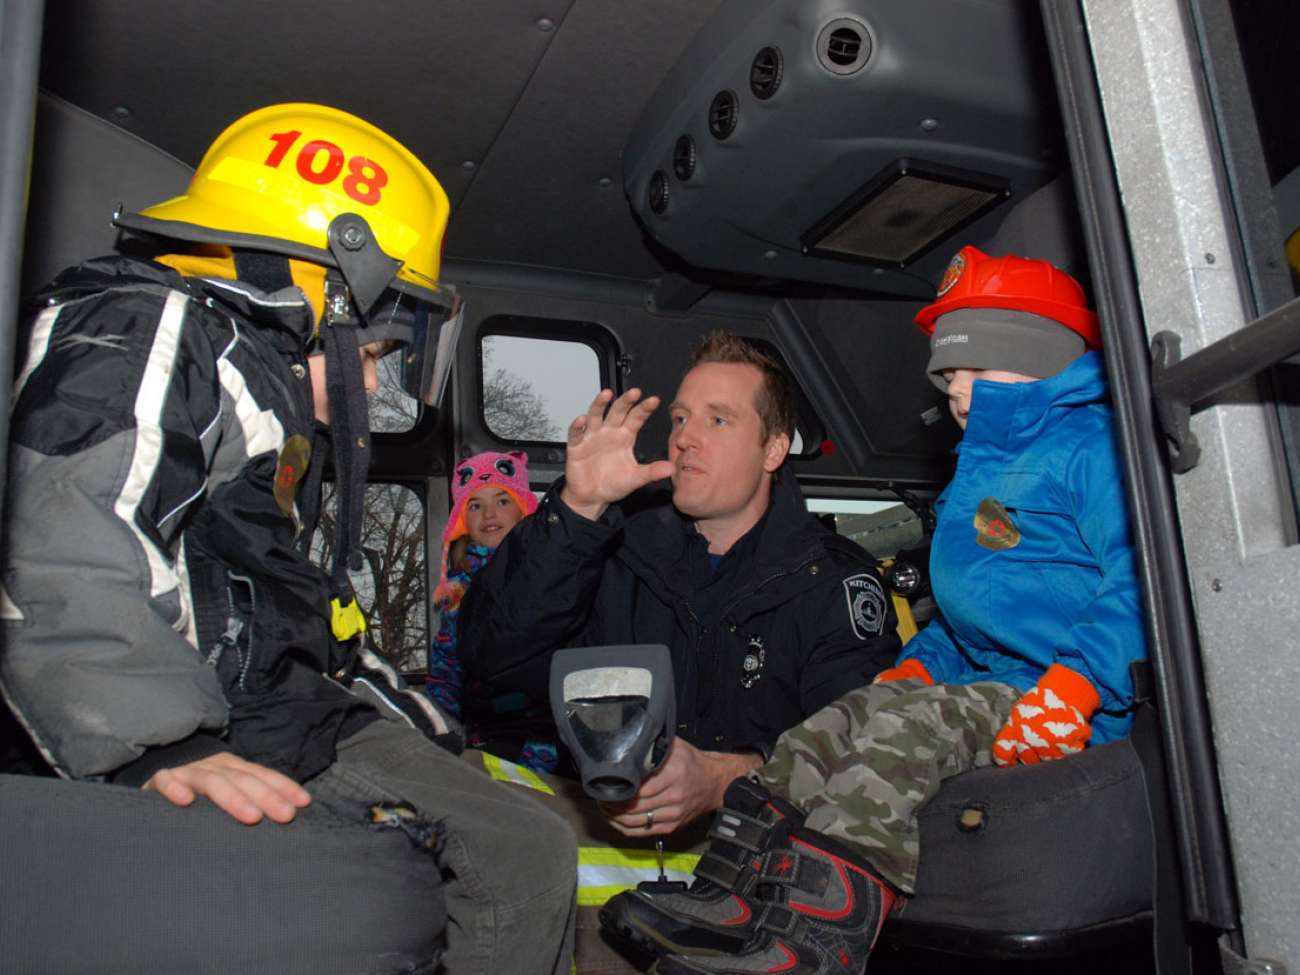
489,495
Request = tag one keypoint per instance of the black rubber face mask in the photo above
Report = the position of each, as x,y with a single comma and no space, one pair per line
616,711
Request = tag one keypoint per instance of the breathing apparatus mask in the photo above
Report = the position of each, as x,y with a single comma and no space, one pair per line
615,709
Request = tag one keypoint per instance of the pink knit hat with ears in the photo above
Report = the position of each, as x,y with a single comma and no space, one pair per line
489,469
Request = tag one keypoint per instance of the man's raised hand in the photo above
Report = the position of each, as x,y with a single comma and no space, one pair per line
600,465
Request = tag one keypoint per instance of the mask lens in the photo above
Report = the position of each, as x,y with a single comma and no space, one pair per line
608,727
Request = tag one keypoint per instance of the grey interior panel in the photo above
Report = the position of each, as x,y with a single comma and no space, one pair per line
83,167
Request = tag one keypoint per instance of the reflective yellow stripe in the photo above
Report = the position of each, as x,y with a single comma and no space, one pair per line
604,871
906,621
506,771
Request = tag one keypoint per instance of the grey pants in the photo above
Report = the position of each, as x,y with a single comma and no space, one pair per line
510,866
862,766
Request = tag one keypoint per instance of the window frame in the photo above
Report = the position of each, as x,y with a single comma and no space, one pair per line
593,335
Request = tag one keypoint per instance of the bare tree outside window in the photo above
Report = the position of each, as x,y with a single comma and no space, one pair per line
391,410
392,587
512,409
534,387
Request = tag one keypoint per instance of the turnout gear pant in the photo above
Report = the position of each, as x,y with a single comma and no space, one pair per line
509,865
863,766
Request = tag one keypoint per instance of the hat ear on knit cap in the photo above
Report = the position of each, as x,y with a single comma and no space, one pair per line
507,471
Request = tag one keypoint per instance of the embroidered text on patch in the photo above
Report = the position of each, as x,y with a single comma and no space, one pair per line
866,598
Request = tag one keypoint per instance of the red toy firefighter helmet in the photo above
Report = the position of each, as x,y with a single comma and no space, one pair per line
975,280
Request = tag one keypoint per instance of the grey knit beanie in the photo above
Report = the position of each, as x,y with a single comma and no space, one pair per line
998,338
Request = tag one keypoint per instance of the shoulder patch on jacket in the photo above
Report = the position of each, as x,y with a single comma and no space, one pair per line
866,599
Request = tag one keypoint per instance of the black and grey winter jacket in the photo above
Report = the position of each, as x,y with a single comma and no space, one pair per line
157,604
806,621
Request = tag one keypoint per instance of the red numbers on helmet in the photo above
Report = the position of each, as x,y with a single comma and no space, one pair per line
320,162
307,162
282,140
364,180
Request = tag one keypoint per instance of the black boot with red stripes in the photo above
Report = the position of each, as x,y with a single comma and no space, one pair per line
717,913
821,909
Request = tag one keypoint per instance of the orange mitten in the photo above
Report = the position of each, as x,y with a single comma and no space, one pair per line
1050,720
911,667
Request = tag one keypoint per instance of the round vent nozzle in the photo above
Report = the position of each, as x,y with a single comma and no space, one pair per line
657,196
724,113
684,158
843,46
765,72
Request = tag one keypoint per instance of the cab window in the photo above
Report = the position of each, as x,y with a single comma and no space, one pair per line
883,528
532,387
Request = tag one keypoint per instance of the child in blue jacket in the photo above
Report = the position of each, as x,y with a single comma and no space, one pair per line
1032,567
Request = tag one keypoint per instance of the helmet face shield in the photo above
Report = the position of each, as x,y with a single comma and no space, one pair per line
430,323
415,326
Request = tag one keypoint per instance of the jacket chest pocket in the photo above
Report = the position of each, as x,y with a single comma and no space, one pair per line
1037,565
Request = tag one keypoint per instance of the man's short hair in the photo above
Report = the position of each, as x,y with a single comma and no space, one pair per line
775,402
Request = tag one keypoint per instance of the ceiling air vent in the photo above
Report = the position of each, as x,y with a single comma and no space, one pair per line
724,113
843,46
657,195
766,72
684,158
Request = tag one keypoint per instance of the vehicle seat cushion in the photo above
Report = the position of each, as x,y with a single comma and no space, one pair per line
1049,847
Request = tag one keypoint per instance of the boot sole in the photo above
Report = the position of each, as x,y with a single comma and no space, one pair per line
650,940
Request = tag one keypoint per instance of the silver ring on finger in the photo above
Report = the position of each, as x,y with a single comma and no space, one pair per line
649,819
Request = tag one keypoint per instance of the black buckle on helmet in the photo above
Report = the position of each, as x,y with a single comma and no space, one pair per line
339,309
366,269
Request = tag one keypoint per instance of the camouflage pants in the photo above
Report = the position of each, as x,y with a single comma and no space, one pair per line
863,766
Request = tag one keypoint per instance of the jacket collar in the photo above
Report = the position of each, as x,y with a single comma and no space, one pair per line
1006,414
285,316
655,546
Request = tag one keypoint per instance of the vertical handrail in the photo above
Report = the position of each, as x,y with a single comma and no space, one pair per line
20,57
1184,715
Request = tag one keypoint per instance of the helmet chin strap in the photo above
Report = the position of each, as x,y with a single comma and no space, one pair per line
364,272
349,433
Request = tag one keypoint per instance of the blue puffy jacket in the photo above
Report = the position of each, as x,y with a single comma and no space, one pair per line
1055,581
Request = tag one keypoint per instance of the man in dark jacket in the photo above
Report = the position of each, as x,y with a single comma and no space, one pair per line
768,615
